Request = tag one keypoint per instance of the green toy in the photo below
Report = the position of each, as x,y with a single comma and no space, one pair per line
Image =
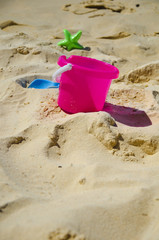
71,41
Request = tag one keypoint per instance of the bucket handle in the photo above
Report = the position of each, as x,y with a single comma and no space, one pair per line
57,74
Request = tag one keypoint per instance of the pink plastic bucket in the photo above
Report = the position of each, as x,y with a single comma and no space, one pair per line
84,88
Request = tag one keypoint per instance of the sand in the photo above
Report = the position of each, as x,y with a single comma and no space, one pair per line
85,176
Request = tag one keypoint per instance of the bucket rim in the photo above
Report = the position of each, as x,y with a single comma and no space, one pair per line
113,74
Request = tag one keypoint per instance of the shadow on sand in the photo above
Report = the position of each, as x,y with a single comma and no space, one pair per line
128,116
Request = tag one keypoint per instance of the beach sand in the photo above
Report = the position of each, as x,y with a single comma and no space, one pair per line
85,176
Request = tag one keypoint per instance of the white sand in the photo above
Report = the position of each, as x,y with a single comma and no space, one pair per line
86,176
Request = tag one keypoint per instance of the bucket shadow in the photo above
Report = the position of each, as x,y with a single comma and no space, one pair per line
128,116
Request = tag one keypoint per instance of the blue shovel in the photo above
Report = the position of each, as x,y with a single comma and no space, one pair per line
45,84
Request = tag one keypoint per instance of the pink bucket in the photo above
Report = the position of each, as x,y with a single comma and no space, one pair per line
84,88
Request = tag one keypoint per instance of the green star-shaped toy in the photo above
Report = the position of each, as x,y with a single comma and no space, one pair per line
71,41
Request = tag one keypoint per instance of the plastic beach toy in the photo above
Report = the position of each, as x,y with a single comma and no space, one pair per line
84,88
71,41
44,84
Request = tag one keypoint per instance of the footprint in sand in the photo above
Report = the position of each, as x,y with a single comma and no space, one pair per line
51,157
64,234
149,145
143,74
13,206
135,146
9,23
116,36
93,6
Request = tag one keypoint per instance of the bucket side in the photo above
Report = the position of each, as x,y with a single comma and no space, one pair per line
74,93
80,92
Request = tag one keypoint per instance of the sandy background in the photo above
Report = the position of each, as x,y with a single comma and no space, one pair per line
84,176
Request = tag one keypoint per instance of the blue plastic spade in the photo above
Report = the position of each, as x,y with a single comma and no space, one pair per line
43,84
